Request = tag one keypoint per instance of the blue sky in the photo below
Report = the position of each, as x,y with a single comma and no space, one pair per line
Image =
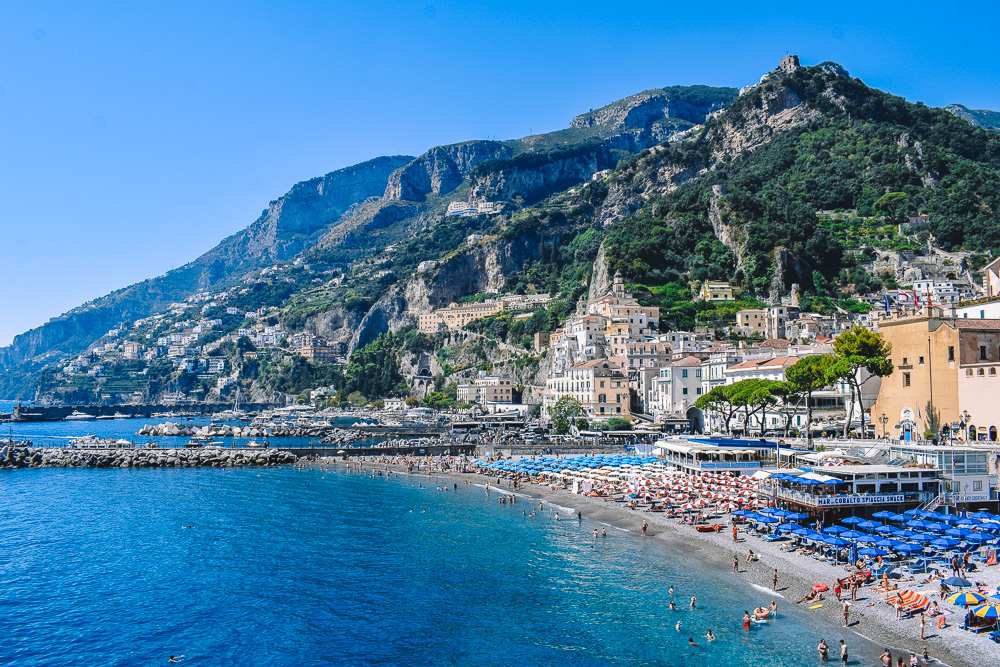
135,136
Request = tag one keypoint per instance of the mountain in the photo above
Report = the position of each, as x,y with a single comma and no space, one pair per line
989,120
802,184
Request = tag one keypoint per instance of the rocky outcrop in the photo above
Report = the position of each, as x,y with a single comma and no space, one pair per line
769,109
645,109
440,170
214,457
531,179
600,281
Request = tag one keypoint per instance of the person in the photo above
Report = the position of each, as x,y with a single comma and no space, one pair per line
692,642
923,624
693,599
678,626
746,620
671,590
774,580
736,563
604,532
836,590
913,660
847,614
579,516
644,528
811,596
843,652
926,656
899,608
175,659
734,534
886,658
710,636
595,533
774,608
751,556
673,606
854,590
824,650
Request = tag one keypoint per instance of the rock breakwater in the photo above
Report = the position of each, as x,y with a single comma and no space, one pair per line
213,457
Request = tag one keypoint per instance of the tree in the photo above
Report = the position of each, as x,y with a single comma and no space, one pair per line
811,374
618,424
790,397
567,408
378,404
752,393
356,399
933,421
412,401
719,401
857,350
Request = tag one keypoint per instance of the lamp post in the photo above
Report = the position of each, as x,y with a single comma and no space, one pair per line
883,420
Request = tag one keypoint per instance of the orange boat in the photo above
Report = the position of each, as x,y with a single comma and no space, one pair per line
714,528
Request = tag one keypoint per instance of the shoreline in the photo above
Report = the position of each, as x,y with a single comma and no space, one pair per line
949,647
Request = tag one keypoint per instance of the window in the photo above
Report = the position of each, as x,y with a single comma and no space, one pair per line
993,371
602,384
697,373
699,391
905,362
977,485
982,353
602,398
684,391
981,372
684,373
951,353
906,379
920,360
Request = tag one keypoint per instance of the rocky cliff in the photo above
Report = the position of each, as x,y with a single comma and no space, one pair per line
440,170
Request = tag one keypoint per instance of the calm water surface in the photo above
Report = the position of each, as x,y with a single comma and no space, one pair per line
312,568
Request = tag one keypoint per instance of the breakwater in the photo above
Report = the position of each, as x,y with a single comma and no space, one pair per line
13,456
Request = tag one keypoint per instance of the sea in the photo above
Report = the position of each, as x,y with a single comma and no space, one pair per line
287,566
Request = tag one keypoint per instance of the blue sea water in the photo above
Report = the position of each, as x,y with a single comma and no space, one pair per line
290,567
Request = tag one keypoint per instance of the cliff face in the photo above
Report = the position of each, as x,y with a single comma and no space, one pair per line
440,170
286,227
534,179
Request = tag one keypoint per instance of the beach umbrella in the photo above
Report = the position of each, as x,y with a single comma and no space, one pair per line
870,525
836,541
945,542
873,552
977,538
795,516
957,581
982,515
987,611
833,530
908,548
802,532
785,527
959,532
913,512
966,598
765,519
853,535
920,537
884,514
887,543
853,520
919,523
888,530
966,522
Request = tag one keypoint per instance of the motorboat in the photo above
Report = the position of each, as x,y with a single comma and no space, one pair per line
76,415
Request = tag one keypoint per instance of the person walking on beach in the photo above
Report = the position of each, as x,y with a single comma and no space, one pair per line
854,590
824,650
774,580
923,624
644,528
843,652
734,534
736,563
847,614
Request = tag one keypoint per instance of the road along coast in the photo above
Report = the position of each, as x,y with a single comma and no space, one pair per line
797,574
215,457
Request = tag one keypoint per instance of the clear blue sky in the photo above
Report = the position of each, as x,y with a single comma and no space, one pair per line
135,135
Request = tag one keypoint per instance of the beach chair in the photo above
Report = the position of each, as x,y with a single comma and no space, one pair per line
995,636
923,604
916,567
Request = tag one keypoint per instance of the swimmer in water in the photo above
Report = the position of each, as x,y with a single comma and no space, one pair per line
710,636
673,606
678,626
670,591
604,532
693,599
692,642
175,659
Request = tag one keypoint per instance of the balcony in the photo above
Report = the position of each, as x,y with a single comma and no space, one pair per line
845,500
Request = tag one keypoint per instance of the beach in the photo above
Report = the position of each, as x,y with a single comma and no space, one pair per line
797,574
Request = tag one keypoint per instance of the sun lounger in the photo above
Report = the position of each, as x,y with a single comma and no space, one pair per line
995,636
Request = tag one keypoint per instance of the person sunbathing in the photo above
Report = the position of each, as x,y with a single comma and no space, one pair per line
811,596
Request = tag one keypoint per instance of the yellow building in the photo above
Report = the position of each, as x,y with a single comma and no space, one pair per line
715,291
949,362
750,321
456,315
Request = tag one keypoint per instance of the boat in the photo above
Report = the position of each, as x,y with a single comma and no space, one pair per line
76,415
117,415
193,443
714,528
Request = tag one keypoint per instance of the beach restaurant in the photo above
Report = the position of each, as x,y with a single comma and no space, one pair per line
851,489
696,456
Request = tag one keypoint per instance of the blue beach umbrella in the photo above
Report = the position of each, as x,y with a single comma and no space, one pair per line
870,525
977,538
982,515
957,581
765,519
888,530
919,523
884,514
959,532
908,548
913,512
836,541
853,535
852,520
833,530
945,542
873,552
786,527
921,537
987,611
937,526
887,544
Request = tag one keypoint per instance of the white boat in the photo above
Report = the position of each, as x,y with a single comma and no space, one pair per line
76,415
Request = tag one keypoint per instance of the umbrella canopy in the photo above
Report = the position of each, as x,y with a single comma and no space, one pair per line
853,535
833,530
887,544
852,520
919,523
945,542
870,525
873,552
966,598
763,518
976,537
787,527
836,541
908,548
982,515
884,514
959,532
913,512
957,581
987,611
796,516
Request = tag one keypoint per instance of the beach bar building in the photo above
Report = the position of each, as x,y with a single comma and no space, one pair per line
695,456
861,490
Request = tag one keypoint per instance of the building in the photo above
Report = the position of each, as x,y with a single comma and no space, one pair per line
696,456
750,321
456,316
426,265
132,350
676,388
715,291
945,361
621,305
486,389
991,278
599,386
966,470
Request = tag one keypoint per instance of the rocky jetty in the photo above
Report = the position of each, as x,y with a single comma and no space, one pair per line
228,431
212,457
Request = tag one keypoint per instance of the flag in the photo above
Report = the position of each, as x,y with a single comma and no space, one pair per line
886,304
918,413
